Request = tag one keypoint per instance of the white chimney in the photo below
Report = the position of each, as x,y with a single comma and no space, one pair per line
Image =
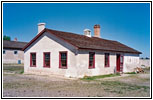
15,39
87,32
41,26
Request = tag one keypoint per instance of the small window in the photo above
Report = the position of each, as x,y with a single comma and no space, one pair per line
47,59
91,60
4,51
19,61
15,52
33,59
106,59
63,60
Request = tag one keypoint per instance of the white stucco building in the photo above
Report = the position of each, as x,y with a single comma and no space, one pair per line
12,52
74,55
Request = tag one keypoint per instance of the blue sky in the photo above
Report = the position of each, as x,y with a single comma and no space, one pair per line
128,23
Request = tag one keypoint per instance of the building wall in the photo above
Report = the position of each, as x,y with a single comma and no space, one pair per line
144,63
100,69
49,43
131,61
78,60
10,57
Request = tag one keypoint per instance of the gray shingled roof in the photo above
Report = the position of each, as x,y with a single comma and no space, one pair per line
13,44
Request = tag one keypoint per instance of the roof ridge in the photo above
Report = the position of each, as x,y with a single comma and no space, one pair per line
82,41
79,34
15,41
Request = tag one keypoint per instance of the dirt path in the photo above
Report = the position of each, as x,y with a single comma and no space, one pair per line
20,85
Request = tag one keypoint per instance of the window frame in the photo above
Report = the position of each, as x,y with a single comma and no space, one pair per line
16,52
4,51
31,59
108,63
63,67
93,65
44,59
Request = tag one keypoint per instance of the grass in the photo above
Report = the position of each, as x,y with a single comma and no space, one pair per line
13,69
146,70
99,76
130,73
120,87
12,64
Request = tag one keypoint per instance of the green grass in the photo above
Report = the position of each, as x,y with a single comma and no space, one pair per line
130,73
99,77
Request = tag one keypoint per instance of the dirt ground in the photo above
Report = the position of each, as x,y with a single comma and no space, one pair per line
17,84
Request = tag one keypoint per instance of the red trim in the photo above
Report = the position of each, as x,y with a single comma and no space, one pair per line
63,67
90,67
118,63
31,59
44,59
108,60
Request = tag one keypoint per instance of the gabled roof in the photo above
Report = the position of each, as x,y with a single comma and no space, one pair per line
84,42
13,44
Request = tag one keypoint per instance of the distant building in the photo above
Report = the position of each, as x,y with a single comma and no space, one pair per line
12,51
144,62
74,55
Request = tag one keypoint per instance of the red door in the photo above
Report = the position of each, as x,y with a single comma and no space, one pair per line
119,63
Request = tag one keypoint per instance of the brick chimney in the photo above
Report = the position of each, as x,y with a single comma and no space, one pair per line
97,30
41,26
15,39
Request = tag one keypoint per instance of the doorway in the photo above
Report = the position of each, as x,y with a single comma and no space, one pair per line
119,63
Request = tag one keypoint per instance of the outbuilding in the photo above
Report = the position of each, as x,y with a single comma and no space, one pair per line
12,51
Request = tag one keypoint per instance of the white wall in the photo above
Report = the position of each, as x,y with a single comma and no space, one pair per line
100,69
144,62
49,43
131,61
10,57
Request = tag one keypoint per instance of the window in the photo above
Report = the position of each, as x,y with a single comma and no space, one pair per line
33,59
106,59
91,60
19,61
46,59
4,52
15,52
63,60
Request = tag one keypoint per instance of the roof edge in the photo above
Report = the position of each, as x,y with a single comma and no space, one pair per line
111,50
37,36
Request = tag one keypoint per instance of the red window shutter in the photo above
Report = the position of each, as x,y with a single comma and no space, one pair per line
33,61
106,60
48,63
63,59
91,60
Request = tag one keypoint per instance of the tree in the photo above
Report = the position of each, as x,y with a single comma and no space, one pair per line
6,37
